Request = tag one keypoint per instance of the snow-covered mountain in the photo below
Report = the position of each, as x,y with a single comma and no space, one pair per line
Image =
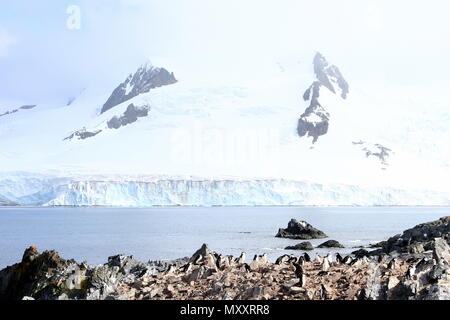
295,132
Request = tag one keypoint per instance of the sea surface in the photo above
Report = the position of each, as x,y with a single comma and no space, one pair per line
94,234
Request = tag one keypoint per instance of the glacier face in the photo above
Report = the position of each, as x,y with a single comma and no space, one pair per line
204,192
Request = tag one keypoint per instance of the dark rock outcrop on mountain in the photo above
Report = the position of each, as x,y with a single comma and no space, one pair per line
83,134
26,107
304,246
330,76
377,150
146,78
314,122
130,115
300,230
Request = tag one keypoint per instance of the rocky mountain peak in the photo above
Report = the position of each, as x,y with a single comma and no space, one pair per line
314,122
147,77
330,76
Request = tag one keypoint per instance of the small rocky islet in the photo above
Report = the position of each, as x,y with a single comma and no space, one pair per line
303,230
412,266
300,230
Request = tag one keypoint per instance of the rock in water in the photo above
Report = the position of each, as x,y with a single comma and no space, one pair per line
331,244
300,230
305,246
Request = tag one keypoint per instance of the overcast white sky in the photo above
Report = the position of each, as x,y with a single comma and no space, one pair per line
389,42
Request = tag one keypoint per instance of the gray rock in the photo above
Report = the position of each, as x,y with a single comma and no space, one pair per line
131,115
331,244
83,134
47,276
162,266
441,250
305,246
300,230
423,233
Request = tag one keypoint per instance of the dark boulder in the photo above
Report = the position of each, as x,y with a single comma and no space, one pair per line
300,230
33,276
377,245
305,246
331,244
361,253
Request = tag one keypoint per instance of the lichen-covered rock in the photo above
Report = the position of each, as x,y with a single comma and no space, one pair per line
300,230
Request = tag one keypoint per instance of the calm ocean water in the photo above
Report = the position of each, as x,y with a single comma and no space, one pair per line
93,234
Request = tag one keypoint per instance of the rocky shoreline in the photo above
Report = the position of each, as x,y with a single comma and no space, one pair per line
410,266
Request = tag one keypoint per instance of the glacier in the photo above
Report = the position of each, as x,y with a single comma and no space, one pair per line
238,139
41,190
